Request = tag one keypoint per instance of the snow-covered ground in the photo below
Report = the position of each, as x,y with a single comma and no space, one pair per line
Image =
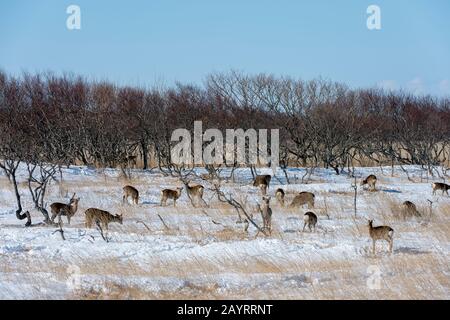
204,253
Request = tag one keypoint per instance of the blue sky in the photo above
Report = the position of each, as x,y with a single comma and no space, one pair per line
162,41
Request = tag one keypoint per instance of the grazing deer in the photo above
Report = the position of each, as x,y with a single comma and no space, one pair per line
263,183
381,233
409,209
170,194
129,191
62,209
279,195
370,181
303,198
310,220
101,218
194,192
266,214
205,176
440,186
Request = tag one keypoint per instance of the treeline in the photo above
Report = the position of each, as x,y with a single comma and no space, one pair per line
45,118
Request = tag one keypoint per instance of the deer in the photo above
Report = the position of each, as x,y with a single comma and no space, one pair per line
266,214
262,181
279,195
130,191
129,161
303,198
170,194
194,192
409,209
370,181
63,209
381,233
440,186
101,218
310,220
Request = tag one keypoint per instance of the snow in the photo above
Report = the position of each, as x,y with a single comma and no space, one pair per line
198,258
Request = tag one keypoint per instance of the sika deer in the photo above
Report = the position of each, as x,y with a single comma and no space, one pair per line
263,183
266,214
310,220
370,181
101,218
303,198
381,233
129,191
279,195
62,209
440,186
170,194
194,192
409,209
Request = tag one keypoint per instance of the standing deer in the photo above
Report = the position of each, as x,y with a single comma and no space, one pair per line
263,182
62,209
310,220
170,194
303,198
130,191
409,209
194,192
279,195
440,186
129,161
101,218
370,181
381,233
266,214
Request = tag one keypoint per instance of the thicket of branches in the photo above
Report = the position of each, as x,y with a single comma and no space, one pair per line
48,121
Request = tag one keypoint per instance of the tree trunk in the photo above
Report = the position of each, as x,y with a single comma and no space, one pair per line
144,149
19,214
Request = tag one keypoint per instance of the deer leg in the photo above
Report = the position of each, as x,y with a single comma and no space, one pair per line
68,219
373,246
304,225
309,227
53,217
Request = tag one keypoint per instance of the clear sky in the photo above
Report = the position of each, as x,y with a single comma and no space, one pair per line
143,42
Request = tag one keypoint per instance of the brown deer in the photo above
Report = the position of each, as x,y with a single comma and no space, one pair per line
310,220
170,194
63,209
194,192
279,195
303,198
440,186
263,182
381,233
101,218
266,214
130,191
370,181
409,209
129,161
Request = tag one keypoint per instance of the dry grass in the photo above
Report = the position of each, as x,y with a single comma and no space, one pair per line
408,274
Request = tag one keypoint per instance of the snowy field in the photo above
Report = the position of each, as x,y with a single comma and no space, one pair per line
204,253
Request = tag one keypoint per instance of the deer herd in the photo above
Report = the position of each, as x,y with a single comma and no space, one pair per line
102,218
